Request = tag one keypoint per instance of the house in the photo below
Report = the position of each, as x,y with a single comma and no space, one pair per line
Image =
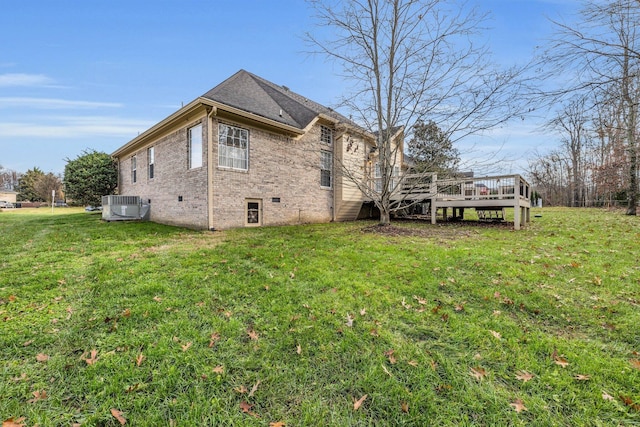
8,196
249,153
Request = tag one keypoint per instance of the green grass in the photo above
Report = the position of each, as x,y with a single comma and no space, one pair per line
445,300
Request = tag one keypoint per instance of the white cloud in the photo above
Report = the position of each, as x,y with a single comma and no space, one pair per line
20,79
75,127
53,103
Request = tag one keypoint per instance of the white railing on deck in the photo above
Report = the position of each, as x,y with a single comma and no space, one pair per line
503,187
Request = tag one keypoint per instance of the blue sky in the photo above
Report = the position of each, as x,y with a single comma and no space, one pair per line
78,75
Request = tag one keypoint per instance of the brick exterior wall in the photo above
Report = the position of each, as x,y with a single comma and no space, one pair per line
280,168
172,180
283,174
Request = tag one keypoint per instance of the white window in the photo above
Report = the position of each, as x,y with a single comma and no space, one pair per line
134,169
326,135
195,147
233,147
377,175
326,166
151,159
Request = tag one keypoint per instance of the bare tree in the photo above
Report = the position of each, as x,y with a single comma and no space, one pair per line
601,52
46,184
8,179
412,60
573,123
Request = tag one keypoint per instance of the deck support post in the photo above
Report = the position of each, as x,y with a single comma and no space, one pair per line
517,213
434,211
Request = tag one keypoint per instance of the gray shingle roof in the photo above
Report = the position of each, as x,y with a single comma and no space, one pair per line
253,94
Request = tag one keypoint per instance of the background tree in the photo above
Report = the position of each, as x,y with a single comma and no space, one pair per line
45,185
26,186
89,177
8,179
573,124
408,60
601,54
431,150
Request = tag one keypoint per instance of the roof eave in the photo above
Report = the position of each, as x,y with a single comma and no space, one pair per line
159,127
194,106
251,116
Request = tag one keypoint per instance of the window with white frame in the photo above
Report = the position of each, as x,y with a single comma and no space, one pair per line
195,146
151,159
377,175
326,166
233,147
134,169
326,135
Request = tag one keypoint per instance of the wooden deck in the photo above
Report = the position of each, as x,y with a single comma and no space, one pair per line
488,195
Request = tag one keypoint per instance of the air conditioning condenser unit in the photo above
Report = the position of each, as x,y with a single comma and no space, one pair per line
124,208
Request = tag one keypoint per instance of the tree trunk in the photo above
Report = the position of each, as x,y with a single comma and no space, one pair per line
633,179
385,218
632,192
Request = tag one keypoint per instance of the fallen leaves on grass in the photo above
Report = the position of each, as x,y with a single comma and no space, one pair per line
186,346
350,320
277,424
41,357
219,369
607,396
363,312
157,299
524,376
559,360
240,390
635,363
254,389
496,335
478,373
214,337
358,403
22,377
246,408
38,395
386,371
390,356
581,377
118,416
298,349
518,405
92,359
139,359
412,363
629,402
252,334
13,422
404,406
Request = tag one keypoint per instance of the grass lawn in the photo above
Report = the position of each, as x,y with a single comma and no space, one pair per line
327,324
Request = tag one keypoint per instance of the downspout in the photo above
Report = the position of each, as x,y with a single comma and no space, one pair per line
334,174
212,112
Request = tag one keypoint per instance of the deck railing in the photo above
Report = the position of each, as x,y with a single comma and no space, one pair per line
484,188
428,186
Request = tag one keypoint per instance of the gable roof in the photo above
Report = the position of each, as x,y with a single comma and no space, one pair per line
253,94
253,97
